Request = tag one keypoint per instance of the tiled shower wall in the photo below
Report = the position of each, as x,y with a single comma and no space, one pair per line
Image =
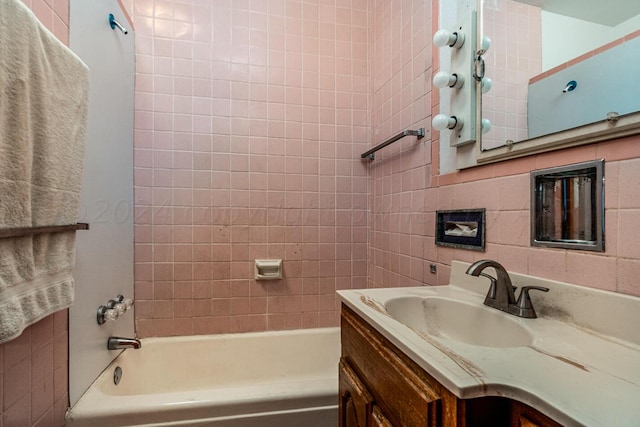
250,117
33,367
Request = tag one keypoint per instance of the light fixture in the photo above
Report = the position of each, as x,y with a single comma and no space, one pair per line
487,84
442,122
460,114
485,44
443,79
486,125
444,38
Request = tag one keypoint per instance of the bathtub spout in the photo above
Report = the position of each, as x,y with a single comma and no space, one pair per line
119,343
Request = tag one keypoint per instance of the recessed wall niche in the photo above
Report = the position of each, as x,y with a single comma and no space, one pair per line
567,207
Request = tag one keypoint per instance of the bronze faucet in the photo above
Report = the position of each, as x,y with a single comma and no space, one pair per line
501,293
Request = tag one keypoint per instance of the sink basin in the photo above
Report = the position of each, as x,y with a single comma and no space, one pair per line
459,321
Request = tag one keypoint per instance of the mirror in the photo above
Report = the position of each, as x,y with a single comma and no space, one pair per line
567,208
534,42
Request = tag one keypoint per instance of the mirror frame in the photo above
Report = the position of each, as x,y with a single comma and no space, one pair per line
596,245
604,130
472,155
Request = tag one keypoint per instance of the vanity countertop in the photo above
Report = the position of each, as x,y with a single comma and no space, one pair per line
582,367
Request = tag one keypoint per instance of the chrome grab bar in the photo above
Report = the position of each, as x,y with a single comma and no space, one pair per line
370,154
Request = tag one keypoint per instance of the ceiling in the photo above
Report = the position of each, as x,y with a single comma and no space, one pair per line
611,12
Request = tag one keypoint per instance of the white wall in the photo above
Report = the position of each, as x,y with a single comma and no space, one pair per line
104,260
564,38
601,89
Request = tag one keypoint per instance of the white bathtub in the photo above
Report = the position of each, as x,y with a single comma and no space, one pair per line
264,379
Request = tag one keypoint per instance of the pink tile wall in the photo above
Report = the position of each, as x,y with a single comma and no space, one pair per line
33,367
405,188
34,374
515,56
250,117
54,14
399,178
504,190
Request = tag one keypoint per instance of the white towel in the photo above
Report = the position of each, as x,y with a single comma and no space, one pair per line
43,117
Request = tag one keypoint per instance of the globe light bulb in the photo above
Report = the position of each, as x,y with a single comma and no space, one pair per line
485,44
443,79
443,38
486,125
487,84
442,122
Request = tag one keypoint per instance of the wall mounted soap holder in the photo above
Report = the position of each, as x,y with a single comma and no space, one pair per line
268,269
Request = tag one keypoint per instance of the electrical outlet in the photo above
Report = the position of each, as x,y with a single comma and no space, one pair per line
432,268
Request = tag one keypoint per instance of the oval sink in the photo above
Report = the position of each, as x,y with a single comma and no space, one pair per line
459,321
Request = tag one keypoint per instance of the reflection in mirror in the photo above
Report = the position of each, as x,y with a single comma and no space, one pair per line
567,209
535,42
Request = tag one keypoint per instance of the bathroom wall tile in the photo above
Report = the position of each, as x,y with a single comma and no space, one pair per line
60,383
514,192
567,157
17,350
629,179
163,327
397,184
245,167
42,363
628,273
183,326
44,12
619,149
19,414
17,383
42,399
591,270
33,351
611,232
612,184
628,243
548,263
47,419
289,106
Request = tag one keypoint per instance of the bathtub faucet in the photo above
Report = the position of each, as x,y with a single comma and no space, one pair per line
119,343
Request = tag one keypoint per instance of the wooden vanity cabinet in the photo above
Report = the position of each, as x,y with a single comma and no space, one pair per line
525,416
356,404
379,386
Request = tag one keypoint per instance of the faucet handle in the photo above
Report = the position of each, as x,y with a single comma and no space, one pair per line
524,305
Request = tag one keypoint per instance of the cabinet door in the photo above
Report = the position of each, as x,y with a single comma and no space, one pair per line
355,401
525,416
378,419
407,394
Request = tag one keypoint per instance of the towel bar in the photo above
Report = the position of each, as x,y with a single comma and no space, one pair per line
29,231
370,154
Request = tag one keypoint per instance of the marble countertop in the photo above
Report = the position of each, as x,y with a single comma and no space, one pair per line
575,370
